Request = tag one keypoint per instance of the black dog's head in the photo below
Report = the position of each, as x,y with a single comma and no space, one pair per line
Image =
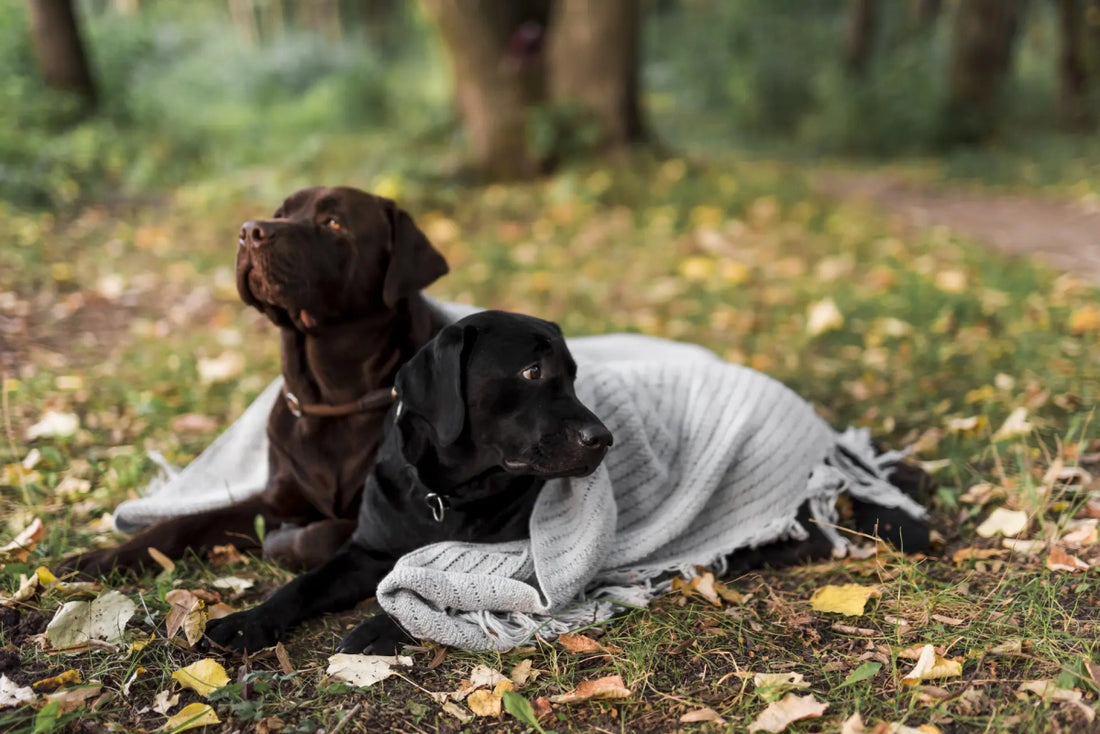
333,255
496,390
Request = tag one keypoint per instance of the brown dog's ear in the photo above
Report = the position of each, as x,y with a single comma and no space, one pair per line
414,263
430,384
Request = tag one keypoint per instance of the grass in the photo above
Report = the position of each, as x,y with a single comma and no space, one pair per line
109,307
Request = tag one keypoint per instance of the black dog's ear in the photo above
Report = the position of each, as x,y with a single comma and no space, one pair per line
414,263
430,384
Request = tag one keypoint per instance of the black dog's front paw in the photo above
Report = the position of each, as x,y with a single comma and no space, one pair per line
242,631
379,635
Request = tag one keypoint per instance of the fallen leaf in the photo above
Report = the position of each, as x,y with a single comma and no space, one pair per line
521,673
701,715
582,643
224,555
866,670
484,703
1049,691
1024,547
165,701
203,677
542,707
23,543
1081,537
847,599
1015,425
1059,560
1003,521
853,725
54,425
28,585
969,425
130,681
1086,318
457,711
789,709
972,554
365,670
193,423
779,680
68,678
823,316
482,676
191,716
284,658
234,583
162,560
78,622
14,695
224,367
188,613
74,698
931,666
981,493
611,686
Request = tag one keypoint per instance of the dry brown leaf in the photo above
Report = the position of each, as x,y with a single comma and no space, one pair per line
789,709
482,676
224,555
1059,560
457,711
28,585
1048,690
78,622
542,707
364,670
23,543
438,657
611,686
74,698
582,643
847,599
521,673
981,493
284,659
701,715
219,610
970,554
1083,536
193,423
853,725
931,666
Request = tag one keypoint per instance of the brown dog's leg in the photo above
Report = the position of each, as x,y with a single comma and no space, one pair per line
306,548
233,524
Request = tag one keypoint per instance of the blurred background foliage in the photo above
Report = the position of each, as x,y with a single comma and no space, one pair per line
193,88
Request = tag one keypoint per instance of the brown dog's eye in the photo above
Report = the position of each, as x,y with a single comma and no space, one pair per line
333,223
534,372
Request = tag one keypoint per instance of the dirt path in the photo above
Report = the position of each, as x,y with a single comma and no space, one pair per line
1064,233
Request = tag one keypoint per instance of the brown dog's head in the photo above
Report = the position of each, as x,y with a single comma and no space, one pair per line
333,255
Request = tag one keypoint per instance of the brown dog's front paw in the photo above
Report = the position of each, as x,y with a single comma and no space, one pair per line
97,563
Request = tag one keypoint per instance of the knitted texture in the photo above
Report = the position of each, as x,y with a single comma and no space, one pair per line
708,458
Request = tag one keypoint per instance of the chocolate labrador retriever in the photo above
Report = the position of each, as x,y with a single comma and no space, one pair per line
339,272
486,414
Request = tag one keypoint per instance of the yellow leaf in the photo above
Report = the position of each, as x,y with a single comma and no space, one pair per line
45,576
162,560
1086,318
191,716
823,316
779,680
931,666
484,703
697,268
68,678
969,425
849,599
203,677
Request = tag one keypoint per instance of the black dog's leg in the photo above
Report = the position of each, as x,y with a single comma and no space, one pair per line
379,635
342,582
784,552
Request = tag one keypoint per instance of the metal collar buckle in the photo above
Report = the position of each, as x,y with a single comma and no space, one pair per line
294,404
436,505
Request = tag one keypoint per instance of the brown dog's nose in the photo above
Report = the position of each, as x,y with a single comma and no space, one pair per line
254,234
594,436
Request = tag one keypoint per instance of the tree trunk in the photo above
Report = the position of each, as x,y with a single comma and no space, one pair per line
984,34
862,24
594,50
1072,71
493,89
59,50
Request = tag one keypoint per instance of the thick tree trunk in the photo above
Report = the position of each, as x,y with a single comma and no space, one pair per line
862,24
984,35
494,89
594,50
58,47
1073,78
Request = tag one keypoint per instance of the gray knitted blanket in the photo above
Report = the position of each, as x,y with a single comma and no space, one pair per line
708,458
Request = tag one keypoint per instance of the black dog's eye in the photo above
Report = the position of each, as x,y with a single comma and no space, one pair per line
534,372
332,223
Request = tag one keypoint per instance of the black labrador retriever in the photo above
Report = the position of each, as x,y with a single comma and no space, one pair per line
486,413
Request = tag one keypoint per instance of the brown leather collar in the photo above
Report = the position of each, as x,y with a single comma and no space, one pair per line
375,399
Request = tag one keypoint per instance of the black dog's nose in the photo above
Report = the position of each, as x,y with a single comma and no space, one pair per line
594,435
255,234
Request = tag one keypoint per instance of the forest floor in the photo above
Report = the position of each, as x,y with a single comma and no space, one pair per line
121,333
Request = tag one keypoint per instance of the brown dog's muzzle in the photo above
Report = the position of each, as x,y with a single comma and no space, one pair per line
258,234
